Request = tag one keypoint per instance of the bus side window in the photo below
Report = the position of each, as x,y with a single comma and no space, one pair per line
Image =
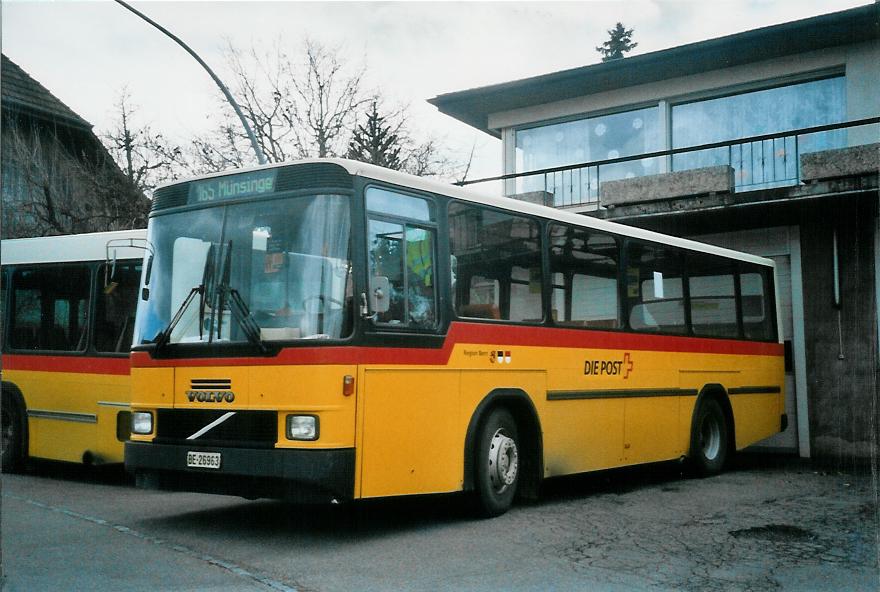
712,296
50,307
654,288
115,308
498,264
401,245
584,264
4,338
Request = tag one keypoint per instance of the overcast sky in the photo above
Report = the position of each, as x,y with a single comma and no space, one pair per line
86,52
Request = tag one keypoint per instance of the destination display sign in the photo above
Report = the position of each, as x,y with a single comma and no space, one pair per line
232,187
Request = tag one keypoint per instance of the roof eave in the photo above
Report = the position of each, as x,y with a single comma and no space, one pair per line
473,106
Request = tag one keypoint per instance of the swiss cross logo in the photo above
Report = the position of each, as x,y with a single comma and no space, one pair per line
611,367
627,365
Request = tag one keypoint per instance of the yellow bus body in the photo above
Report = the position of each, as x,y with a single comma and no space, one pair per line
408,417
72,412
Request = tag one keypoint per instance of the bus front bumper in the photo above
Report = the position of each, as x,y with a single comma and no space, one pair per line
312,475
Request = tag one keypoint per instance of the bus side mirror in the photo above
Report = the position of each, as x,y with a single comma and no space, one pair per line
380,294
145,291
110,275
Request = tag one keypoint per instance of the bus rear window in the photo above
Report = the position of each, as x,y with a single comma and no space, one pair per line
757,311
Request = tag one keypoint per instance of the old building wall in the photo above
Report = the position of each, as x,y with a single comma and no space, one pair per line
841,341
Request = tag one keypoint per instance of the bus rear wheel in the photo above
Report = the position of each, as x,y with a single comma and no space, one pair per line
709,440
11,457
498,463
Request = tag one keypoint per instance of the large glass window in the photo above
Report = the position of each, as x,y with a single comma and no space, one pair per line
583,264
584,140
496,264
270,270
50,308
401,257
654,288
773,110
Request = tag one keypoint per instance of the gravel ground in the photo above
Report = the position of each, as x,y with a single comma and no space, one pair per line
768,523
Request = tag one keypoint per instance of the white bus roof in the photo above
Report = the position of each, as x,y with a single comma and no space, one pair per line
70,248
371,171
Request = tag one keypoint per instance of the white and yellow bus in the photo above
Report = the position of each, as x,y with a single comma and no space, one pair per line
68,320
333,330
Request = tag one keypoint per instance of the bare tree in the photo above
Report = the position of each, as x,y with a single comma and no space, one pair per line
53,186
298,107
146,157
306,105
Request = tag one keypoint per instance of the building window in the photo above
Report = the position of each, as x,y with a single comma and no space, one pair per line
768,163
596,138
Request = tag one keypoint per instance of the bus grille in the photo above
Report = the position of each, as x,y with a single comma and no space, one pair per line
244,429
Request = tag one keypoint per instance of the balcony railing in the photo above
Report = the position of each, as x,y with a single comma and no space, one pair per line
758,162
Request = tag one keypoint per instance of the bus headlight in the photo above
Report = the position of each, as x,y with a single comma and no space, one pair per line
141,422
302,427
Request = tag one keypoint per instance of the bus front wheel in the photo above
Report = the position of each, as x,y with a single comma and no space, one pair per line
11,431
498,463
709,440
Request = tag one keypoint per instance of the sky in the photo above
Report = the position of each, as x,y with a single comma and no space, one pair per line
85,53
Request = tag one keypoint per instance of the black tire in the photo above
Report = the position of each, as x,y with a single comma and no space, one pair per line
709,439
497,465
11,436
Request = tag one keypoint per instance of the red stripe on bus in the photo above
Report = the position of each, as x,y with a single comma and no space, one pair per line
484,335
72,364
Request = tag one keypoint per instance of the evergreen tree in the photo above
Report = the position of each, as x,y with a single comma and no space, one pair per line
376,141
619,42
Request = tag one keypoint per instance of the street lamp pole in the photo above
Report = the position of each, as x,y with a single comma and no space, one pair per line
260,156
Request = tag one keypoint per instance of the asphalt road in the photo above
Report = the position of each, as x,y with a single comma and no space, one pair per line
765,525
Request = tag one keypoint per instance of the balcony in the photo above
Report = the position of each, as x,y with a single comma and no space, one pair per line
733,168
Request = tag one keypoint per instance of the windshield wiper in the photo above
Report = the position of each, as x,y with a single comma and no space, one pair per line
165,336
242,314
237,306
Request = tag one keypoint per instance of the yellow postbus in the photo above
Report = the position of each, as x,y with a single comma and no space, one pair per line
68,318
332,330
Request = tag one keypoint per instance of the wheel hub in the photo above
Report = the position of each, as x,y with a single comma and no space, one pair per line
710,438
503,461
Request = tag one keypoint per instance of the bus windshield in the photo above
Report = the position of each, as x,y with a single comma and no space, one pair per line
280,267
